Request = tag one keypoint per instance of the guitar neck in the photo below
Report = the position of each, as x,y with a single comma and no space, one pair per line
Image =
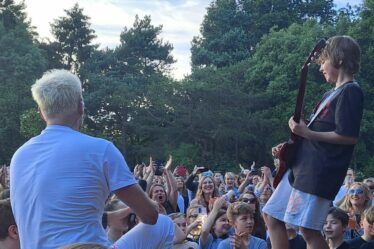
300,96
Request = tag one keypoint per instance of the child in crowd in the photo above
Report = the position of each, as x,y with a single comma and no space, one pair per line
240,216
367,222
9,236
179,219
216,226
336,223
259,229
194,222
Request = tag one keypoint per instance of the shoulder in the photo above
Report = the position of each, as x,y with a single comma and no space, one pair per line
258,241
369,245
352,88
224,244
194,202
355,241
165,222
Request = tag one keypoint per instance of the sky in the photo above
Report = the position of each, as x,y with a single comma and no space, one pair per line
181,20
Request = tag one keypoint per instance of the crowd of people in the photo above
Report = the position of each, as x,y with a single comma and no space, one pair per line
65,189
205,209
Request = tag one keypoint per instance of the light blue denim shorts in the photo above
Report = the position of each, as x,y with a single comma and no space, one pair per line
297,208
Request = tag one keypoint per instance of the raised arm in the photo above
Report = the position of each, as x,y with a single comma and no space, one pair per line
267,174
190,185
172,184
150,174
245,183
209,222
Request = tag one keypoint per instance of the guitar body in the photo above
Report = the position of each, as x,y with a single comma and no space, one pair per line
288,150
287,155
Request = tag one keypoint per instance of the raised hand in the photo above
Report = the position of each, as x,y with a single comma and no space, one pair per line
266,171
275,150
218,203
3,176
239,241
168,163
196,170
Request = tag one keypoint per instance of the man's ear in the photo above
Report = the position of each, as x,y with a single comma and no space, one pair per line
41,114
81,107
13,232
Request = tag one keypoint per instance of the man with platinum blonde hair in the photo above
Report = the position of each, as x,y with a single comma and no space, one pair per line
57,93
60,179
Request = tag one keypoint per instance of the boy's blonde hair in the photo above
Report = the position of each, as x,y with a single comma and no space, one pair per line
342,51
238,208
369,215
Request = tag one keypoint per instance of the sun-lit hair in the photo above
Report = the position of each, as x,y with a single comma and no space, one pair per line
369,215
238,208
342,51
57,93
346,204
230,174
174,216
191,208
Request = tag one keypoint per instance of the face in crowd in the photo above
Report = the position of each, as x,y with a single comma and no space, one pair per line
358,194
181,222
207,185
244,223
250,199
221,225
229,180
158,194
333,227
180,182
217,178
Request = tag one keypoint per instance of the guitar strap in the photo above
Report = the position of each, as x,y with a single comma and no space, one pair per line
327,100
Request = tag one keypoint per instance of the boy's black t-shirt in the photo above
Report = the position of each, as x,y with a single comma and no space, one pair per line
319,167
344,245
356,243
369,245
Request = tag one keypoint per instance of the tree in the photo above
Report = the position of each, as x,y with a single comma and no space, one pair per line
12,14
74,36
223,40
21,62
231,29
125,89
362,31
142,52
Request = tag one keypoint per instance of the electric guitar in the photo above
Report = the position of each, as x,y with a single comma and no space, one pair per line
288,150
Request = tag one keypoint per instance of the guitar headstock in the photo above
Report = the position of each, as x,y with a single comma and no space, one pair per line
315,52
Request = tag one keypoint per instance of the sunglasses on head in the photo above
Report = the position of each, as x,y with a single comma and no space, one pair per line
248,200
356,191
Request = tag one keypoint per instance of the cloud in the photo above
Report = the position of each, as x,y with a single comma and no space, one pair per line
181,20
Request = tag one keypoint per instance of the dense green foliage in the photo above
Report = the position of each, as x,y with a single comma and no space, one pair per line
233,107
21,62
